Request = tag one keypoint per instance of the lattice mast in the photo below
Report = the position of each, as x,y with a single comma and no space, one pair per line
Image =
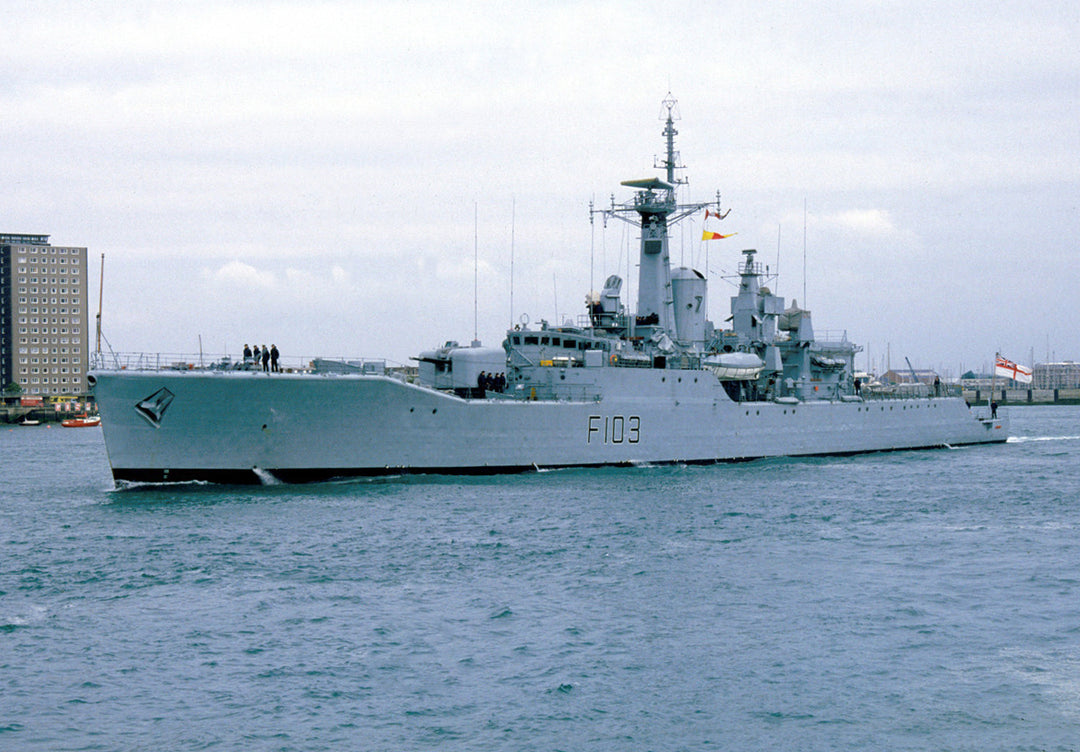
657,210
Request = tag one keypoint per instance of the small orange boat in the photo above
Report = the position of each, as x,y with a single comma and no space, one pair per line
81,421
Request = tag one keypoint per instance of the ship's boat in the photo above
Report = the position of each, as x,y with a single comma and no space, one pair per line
736,366
623,384
81,421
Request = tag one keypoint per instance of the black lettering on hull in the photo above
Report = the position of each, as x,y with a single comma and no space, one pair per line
613,429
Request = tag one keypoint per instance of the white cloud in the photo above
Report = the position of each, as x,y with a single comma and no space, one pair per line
290,284
237,276
873,222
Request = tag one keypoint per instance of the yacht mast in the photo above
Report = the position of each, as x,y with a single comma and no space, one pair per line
101,291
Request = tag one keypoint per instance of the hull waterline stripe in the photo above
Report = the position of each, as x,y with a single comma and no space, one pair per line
246,476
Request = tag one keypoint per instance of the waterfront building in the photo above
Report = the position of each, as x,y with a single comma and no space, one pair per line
44,318
904,376
1064,375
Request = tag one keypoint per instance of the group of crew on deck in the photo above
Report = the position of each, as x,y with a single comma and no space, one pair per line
490,382
267,357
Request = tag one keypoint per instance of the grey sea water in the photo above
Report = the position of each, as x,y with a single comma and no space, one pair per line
903,601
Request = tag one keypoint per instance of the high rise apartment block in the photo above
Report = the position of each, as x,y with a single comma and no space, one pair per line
44,322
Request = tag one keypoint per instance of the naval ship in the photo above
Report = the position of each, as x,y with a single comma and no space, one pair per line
656,384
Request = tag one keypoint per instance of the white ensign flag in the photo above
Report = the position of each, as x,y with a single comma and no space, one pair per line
1009,370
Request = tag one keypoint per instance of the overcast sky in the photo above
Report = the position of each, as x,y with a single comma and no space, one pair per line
308,173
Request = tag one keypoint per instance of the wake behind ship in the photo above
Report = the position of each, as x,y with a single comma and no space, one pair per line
658,384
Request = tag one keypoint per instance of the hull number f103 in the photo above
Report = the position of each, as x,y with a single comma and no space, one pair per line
614,429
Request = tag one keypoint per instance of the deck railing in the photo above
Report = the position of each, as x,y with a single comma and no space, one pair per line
166,361
909,391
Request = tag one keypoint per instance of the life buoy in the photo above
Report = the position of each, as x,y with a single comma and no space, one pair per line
614,359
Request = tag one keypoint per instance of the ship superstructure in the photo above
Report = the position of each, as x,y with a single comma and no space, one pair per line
768,353
658,384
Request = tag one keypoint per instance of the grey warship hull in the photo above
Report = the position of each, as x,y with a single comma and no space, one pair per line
250,428
660,384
